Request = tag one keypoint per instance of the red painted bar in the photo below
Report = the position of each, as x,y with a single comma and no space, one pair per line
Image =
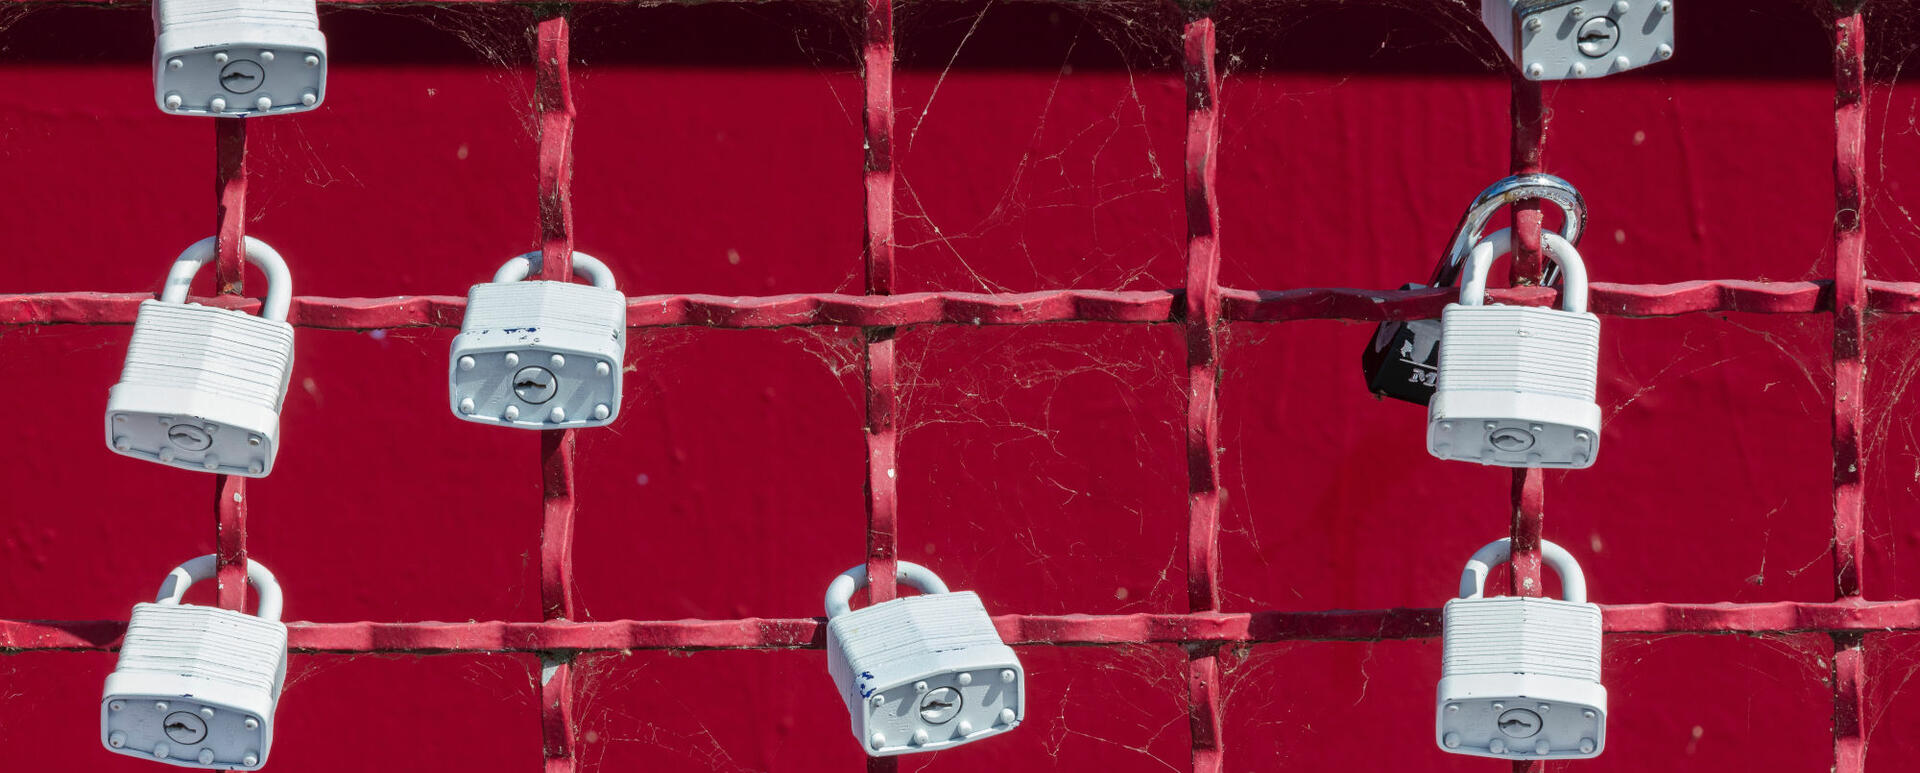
1205,628
553,105
955,308
230,492
1849,377
1202,307
1528,493
879,353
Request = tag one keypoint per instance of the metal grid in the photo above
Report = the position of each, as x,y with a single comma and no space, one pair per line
1201,307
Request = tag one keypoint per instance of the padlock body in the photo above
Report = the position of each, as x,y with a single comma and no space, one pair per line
1579,38
238,51
924,673
1516,387
1520,679
189,682
1403,359
527,349
201,389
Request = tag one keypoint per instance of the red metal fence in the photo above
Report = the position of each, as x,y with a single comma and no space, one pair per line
1202,308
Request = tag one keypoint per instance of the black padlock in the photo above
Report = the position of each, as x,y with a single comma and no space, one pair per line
1402,360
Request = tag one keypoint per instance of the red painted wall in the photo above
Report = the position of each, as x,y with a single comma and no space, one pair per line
719,150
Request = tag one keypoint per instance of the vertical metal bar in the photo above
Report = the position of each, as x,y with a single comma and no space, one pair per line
230,492
878,352
553,103
878,370
1849,375
1203,385
1528,494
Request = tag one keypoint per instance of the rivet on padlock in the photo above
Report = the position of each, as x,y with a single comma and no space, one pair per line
1516,383
541,354
197,686
1570,39
921,673
1520,677
1402,360
202,387
238,58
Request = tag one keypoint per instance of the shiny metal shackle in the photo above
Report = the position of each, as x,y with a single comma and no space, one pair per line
1573,288
840,591
265,585
583,264
1523,187
1473,581
279,279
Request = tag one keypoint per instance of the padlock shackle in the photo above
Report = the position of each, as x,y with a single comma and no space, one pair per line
1473,581
265,585
840,591
1573,287
1522,187
583,264
279,279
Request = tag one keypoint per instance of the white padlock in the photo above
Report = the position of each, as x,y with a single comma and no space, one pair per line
1520,676
238,58
921,673
540,354
202,386
1569,39
1516,383
196,686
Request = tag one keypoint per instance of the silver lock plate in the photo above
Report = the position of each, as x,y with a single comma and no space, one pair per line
201,389
925,673
1571,39
539,355
1516,387
196,687
238,58
1521,679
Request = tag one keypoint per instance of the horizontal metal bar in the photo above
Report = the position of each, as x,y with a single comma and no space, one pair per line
950,308
1782,617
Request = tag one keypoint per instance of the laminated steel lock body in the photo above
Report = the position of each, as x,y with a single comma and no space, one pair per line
238,58
1403,359
1569,39
541,354
1516,383
921,673
196,686
202,386
1520,677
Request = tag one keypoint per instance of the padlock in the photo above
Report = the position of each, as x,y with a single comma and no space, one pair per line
1516,383
196,686
1520,676
238,58
921,673
202,386
1403,358
1567,39
541,354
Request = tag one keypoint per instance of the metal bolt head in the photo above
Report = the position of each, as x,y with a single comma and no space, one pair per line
878,741
1452,740
1586,746
251,723
1007,716
1535,23
940,706
206,756
1598,36
1497,746
250,760
535,384
117,739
